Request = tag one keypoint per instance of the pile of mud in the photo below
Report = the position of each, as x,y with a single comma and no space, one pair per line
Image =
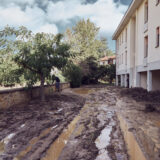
152,98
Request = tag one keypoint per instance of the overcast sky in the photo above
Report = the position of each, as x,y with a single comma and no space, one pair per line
53,16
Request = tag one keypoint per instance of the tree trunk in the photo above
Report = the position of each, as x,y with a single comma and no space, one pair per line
42,94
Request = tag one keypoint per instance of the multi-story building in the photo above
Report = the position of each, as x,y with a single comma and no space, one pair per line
138,46
107,60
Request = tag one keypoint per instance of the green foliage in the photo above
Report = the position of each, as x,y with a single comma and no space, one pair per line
84,42
36,54
73,74
86,48
90,70
108,72
9,70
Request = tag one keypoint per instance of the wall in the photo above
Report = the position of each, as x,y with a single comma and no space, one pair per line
153,23
143,80
123,48
140,35
13,97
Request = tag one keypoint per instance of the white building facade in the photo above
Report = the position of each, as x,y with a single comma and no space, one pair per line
138,46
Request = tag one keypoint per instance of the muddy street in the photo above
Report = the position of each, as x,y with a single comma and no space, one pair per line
78,124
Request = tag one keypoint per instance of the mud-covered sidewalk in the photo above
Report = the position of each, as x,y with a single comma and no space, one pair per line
78,124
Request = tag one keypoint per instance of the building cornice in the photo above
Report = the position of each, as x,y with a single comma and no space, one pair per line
129,13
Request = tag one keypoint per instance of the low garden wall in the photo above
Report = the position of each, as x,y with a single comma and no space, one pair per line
16,96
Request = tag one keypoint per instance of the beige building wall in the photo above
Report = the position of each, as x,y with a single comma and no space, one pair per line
140,68
143,80
140,34
153,23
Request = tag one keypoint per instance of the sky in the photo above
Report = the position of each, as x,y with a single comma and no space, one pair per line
54,16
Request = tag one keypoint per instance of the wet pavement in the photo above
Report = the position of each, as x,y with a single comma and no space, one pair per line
73,130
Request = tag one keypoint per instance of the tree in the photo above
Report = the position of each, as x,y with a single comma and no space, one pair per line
108,72
38,53
9,70
84,42
73,74
111,72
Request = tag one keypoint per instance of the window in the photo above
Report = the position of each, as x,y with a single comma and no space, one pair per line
146,12
145,46
122,58
157,36
157,2
126,58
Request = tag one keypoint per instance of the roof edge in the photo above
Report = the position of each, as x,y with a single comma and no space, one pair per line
131,9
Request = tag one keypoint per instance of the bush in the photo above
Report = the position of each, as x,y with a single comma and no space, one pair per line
73,74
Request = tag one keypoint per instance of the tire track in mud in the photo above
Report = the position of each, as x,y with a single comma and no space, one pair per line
32,123
97,123
40,126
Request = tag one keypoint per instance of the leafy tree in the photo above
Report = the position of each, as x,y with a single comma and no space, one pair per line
111,72
84,42
9,70
108,72
91,71
73,74
37,54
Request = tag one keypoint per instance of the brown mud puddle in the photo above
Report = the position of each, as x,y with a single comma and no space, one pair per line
56,148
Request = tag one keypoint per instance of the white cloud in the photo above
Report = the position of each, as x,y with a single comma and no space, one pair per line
48,28
21,2
12,16
104,13
33,18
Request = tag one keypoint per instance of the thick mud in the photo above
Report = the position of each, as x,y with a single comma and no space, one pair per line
97,135
78,124
27,131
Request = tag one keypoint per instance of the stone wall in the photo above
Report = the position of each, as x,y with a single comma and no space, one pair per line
13,97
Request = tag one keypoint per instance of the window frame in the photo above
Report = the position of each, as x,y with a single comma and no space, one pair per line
146,12
157,37
126,58
146,46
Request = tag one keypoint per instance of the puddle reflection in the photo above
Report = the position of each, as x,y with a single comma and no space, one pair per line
82,91
1,148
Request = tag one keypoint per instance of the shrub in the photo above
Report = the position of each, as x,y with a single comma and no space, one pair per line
73,74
